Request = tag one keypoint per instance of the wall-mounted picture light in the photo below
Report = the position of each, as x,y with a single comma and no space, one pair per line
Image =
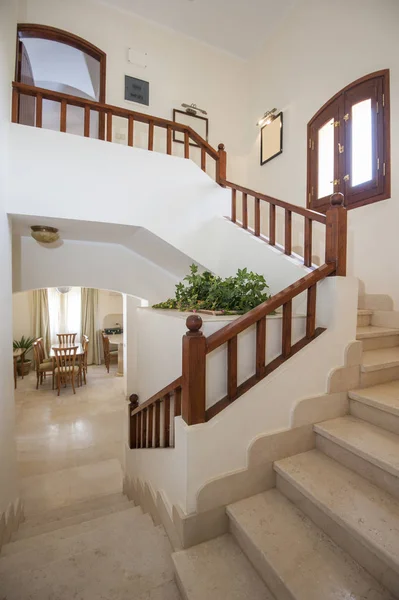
267,118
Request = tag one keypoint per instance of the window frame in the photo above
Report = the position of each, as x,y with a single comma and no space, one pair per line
375,86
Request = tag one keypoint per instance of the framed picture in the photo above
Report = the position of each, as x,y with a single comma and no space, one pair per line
137,90
199,124
271,139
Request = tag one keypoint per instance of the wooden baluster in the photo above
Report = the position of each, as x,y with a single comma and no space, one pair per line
130,130
287,329
133,421
244,210
169,140
186,145
140,429
336,234
101,125
272,224
257,217
144,440
203,159
288,232
87,122
178,402
234,205
109,126
307,254
311,312
166,420
194,365
232,374
15,106
151,136
150,425
157,423
63,116
39,110
221,166
261,347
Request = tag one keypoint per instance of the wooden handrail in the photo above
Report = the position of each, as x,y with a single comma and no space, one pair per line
159,395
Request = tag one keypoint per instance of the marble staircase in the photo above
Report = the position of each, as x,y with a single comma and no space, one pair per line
101,549
330,528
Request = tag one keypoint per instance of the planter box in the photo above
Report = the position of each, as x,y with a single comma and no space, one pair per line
25,367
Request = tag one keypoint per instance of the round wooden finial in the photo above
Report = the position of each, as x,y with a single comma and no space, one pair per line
194,323
134,400
221,147
337,199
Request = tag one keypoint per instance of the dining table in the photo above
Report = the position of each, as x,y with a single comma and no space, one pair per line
79,352
117,338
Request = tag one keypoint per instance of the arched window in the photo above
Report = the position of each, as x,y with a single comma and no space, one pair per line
349,147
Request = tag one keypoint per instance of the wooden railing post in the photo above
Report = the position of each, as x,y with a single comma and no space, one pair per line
336,234
133,404
221,165
194,359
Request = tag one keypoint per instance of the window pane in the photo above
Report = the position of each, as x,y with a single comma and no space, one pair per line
325,185
362,151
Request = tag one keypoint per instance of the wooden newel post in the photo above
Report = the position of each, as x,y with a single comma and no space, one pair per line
194,358
336,234
221,165
133,404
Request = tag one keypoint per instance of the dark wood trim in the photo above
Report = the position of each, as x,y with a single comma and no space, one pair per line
280,114
166,390
249,383
183,112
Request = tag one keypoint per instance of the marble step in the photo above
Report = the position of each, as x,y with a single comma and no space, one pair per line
379,366
47,543
71,510
374,338
294,557
28,531
368,450
357,515
364,317
378,405
218,570
127,561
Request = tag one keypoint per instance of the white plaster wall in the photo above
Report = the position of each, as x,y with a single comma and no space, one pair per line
8,469
109,303
221,445
179,68
22,315
308,67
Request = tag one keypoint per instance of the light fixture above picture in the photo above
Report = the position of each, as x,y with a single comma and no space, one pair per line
267,118
192,109
44,234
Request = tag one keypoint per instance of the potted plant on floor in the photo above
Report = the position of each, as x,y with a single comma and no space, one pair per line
26,344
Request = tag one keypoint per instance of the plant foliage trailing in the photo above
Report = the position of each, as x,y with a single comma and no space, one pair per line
26,343
204,291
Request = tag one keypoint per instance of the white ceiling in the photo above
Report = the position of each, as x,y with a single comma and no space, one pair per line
239,27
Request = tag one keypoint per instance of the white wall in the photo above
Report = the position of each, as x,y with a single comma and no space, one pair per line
180,69
8,475
320,48
109,303
22,315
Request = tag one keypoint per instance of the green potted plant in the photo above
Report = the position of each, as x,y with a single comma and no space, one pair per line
26,344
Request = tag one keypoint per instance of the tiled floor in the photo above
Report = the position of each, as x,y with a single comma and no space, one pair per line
70,447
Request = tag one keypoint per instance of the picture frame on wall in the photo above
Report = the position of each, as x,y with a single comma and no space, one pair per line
198,123
271,139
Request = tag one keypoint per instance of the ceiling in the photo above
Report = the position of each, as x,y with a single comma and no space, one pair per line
239,27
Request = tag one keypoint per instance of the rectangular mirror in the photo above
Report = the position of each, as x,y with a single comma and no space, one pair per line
271,139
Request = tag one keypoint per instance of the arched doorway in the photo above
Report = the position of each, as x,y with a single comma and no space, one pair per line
57,60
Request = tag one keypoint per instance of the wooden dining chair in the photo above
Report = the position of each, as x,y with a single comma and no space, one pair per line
66,338
84,357
41,367
43,358
108,354
66,368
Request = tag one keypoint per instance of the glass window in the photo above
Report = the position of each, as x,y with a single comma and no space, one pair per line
362,142
325,185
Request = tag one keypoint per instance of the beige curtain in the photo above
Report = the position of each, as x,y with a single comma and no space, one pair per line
41,317
90,324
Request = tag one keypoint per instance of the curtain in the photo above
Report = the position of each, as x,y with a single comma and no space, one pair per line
65,312
90,324
41,317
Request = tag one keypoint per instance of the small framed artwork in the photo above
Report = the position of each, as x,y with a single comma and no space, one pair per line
137,90
271,139
199,124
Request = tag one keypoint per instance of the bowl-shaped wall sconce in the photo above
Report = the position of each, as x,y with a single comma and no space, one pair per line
44,234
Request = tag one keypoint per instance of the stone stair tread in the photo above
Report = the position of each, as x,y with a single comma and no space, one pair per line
371,331
364,312
218,569
367,512
40,550
376,445
76,508
384,396
383,358
304,561
27,531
